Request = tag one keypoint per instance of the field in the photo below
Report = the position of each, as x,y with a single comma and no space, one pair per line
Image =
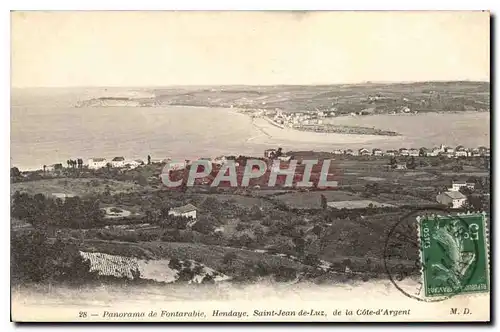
361,204
77,187
424,96
134,268
211,256
312,200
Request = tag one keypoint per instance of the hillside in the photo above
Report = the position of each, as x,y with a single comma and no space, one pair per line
345,99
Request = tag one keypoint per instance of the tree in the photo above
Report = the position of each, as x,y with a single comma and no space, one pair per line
299,244
175,264
411,164
229,258
14,172
279,153
311,260
149,160
256,212
317,230
393,162
324,204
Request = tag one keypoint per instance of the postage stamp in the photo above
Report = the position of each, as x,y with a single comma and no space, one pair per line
454,254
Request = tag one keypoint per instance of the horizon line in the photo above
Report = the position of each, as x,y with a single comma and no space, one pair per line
243,84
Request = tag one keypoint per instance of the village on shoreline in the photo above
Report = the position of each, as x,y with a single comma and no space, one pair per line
122,162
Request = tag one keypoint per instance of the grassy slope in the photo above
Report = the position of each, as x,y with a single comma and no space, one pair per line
211,256
79,187
347,98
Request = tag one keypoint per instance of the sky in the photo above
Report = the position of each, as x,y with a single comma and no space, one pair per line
71,49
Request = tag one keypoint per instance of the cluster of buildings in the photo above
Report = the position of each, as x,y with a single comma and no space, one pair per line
96,163
459,151
291,119
452,197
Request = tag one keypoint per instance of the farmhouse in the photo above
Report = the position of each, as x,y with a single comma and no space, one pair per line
176,165
269,152
222,160
434,152
133,163
413,152
62,196
456,185
377,152
364,152
390,152
187,211
54,167
475,152
453,199
284,158
118,162
96,163
404,152
338,151
461,153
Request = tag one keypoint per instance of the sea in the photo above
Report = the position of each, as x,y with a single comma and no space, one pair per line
46,128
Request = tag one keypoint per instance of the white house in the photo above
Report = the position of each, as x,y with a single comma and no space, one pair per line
453,199
363,152
96,163
134,163
118,162
53,167
461,153
377,152
175,165
157,160
222,160
284,158
456,185
187,211
349,152
434,152
471,185
338,151
404,152
414,152
450,152
62,196
475,152
269,152
390,153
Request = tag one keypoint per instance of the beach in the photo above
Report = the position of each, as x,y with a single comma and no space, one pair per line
47,129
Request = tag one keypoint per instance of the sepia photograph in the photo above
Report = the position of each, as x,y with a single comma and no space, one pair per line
250,166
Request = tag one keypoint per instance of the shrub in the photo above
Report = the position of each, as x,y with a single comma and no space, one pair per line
229,258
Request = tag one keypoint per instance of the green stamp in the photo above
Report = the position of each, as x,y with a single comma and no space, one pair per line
454,254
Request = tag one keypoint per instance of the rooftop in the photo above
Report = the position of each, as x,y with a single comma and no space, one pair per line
454,194
118,159
184,209
98,159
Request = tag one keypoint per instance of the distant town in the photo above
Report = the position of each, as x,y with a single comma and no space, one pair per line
122,162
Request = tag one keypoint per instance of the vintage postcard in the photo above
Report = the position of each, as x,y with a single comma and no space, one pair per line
250,166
